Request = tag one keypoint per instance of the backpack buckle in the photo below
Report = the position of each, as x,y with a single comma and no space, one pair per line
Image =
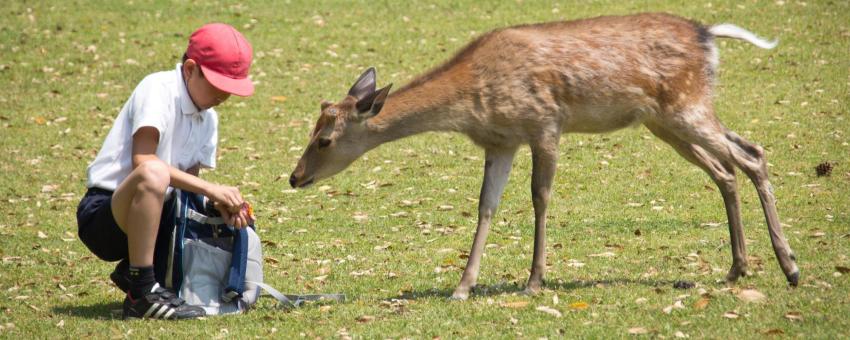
230,295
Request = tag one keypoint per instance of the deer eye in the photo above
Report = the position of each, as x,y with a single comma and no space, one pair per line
324,142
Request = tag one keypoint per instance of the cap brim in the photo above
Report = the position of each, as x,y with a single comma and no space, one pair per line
240,87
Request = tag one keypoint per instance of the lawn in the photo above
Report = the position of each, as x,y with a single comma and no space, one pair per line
628,218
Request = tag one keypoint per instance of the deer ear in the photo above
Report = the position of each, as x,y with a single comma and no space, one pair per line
365,104
378,104
325,104
372,103
364,86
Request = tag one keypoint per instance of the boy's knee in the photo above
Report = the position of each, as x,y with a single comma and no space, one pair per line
154,176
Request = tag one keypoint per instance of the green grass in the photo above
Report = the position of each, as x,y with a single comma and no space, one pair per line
67,67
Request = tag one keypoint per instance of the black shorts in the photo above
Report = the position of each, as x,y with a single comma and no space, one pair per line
99,231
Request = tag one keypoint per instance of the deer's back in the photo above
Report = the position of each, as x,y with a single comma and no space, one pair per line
589,75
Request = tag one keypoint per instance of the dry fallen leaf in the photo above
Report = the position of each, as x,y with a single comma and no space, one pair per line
365,318
677,305
549,310
575,263
773,331
731,315
514,304
279,98
751,295
580,305
356,273
360,216
842,269
605,254
638,330
794,316
42,235
701,303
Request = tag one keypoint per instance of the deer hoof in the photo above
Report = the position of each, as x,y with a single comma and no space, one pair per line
531,291
736,272
459,296
794,279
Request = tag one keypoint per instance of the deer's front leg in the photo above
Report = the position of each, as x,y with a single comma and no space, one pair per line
544,164
497,168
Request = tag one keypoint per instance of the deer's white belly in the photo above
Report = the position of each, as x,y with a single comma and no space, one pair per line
589,118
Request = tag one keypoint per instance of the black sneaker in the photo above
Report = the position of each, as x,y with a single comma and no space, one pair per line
121,275
160,303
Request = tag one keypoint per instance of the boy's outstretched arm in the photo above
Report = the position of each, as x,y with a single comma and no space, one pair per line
145,142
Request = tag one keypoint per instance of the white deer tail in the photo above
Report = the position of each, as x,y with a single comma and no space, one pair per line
732,31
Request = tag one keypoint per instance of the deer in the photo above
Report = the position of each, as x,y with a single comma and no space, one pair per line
530,84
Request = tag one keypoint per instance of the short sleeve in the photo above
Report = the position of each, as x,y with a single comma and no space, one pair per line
150,106
207,154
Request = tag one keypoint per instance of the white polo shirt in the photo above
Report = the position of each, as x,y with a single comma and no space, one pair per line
186,136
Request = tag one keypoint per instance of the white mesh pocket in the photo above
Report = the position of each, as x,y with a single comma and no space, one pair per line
205,271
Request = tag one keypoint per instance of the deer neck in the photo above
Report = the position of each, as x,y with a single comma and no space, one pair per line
435,104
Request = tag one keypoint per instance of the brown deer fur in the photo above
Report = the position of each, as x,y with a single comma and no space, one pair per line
530,84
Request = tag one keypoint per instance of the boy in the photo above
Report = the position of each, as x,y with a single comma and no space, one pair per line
165,133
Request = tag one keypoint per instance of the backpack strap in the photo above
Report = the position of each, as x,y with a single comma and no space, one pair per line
203,219
238,266
174,273
292,301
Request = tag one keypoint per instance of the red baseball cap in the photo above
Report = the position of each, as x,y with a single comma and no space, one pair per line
225,57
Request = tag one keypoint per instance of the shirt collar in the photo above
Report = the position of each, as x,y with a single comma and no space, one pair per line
187,107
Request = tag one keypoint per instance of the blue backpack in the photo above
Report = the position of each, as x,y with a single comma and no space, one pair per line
213,265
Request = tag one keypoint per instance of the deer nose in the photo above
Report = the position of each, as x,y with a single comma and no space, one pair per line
292,180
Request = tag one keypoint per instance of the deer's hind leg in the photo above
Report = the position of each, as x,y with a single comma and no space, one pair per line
698,125
752,161
723,175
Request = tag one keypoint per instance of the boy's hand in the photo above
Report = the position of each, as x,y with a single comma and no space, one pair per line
228,201
227,196
238,220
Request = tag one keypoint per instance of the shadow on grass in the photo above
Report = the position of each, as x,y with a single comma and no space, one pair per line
101,311
517,288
